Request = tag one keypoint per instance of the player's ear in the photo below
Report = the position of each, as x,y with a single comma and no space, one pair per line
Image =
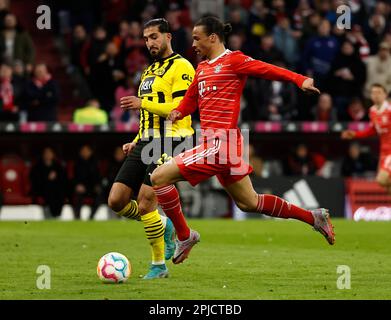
169,36
213,37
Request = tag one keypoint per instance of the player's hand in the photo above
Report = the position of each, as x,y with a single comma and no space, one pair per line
174,116
348,134
130,102
163,159
127,148
308,86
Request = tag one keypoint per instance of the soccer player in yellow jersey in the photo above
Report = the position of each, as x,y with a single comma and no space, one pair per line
163,85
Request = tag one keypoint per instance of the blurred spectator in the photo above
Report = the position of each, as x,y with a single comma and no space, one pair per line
90,114
4,10
301,14
355,111
79,48
319,53
269,100
134,50
96,48
268,51
234,9
123,33
379,69
347,77
235,18
86,182
126,89
357,38
356,163
376,31
9,109
43,95
49,183
200,8
285,40
302,162
179,35
324,110
107,74
113,12
16,44
260,20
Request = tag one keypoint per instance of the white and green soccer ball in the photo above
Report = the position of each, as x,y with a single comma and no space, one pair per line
114,267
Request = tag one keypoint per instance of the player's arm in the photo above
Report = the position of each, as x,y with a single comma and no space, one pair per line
350,134
183,75
246,65
188,104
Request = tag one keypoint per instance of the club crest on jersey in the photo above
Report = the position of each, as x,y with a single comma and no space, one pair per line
160,72
218,68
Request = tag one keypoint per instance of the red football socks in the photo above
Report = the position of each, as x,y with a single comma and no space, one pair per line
168,199
279,208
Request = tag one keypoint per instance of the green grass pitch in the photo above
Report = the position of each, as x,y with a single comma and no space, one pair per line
252,259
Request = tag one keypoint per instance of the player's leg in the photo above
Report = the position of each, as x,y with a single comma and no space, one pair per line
247,199
120,201
154,227
163,179
383,178
127,182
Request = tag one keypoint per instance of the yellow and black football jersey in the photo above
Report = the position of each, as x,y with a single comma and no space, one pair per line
162,87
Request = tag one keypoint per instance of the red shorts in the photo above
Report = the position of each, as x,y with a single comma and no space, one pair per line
214,157
385,162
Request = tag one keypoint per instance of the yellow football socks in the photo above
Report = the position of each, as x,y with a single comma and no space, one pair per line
130,211
154,230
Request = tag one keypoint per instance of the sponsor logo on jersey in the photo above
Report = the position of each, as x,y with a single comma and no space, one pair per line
146,85
187,77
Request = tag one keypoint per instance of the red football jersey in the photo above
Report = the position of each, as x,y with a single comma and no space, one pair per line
218,86
380,125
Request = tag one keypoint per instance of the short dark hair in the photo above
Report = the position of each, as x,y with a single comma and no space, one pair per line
214,25
164,26
378,85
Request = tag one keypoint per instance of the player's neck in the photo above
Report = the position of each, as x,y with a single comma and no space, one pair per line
216,52
166,54
380,105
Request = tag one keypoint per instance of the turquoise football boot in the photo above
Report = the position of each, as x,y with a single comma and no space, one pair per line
156,271
169,240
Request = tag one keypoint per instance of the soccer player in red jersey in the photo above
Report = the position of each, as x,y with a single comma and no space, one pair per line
216,91
380,117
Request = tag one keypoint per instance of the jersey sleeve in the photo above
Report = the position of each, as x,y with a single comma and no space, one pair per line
190,102
246,65
368,132
183,75
136,138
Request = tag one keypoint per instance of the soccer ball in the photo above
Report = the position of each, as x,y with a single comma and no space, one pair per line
113,267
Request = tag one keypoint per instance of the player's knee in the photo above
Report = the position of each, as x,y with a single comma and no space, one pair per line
157,178
383,181
116,202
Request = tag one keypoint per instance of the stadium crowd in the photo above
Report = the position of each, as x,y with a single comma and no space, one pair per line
106,48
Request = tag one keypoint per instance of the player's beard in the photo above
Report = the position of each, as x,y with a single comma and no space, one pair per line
159,54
